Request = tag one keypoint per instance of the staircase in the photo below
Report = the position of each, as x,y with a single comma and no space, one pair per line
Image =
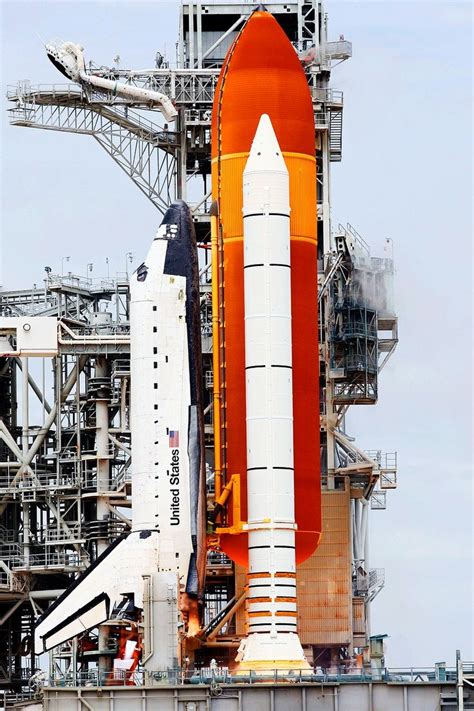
335,135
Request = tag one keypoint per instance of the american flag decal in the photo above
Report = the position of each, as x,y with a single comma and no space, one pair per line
174,438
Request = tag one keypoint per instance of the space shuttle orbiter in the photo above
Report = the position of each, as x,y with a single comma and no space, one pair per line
167,541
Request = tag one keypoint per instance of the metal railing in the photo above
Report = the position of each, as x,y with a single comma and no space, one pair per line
354,330
218,558
38,482
8,535
23,90
55,535
209,676
328,96
360,363
183,84
10,698
120,368
385,460
83,283
368,584
48,559
9,550
321,120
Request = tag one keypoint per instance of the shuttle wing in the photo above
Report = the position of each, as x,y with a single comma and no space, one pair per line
90,600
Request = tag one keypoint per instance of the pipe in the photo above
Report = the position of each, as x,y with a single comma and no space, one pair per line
356,533
128,91
24,449
123,403
363,532
365,543
191,34
216,393
149,625
103,484
25,405
199,32
232,486
460,681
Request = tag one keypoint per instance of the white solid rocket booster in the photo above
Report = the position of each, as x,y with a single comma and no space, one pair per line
273,641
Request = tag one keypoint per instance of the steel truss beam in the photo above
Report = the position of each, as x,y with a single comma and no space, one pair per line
143,150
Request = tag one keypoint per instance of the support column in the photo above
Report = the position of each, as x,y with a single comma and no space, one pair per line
103,485
365,543
102,448
24,448
182,155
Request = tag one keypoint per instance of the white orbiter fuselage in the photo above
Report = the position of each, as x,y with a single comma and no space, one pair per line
167,541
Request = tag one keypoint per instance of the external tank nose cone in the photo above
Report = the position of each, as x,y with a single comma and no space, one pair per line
262,75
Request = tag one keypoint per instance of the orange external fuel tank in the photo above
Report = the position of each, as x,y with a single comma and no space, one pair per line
262,75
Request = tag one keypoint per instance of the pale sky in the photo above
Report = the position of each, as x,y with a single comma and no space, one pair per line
406,174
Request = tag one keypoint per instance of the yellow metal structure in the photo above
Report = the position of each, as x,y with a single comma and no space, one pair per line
232,487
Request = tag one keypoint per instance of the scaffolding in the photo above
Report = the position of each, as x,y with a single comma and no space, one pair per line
65,456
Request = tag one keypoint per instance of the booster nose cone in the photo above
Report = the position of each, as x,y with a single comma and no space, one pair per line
265,178
265,153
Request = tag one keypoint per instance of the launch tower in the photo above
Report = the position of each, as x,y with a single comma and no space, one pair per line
64,400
